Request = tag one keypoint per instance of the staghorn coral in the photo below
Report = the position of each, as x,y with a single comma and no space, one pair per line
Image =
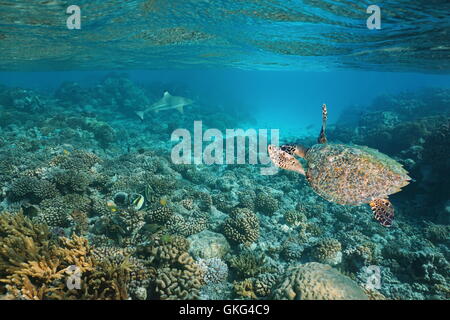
316,281
33,266
242,226
21,240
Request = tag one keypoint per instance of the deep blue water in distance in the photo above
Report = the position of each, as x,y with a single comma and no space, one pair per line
287,100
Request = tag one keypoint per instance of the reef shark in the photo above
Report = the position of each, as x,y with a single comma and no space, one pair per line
167,102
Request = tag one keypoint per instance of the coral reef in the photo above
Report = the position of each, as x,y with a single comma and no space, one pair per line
328,251
214,270
208,245
178,276
265,203
84,183
242,226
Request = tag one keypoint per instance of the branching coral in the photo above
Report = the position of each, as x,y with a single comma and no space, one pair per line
187,226
178,276
294,217
76,160
33,266
242,226
264,283
437,233
266,204
30,262
328,251
69,181
215,270
33,188
249,264
160,215
245,289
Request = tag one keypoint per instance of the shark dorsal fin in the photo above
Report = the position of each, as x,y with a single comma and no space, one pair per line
140,114
166,94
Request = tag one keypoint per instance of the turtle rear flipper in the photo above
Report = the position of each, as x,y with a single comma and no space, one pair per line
322,137
284,160
383,211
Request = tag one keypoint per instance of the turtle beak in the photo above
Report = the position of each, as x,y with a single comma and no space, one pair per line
284,160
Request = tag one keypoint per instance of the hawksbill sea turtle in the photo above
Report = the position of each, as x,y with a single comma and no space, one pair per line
346,174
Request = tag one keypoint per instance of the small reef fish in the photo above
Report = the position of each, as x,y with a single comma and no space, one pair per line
167,102
138,202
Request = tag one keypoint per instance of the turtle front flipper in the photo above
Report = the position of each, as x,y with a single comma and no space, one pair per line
284,160
322,137
383,211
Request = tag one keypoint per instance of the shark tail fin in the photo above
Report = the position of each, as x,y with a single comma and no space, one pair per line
140,114
180,109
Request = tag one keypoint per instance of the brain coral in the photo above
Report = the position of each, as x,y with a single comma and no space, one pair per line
316,281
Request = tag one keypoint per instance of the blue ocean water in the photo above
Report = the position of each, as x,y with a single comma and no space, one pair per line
80,162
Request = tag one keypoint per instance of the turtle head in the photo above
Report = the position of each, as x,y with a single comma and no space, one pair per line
284,159
293,149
